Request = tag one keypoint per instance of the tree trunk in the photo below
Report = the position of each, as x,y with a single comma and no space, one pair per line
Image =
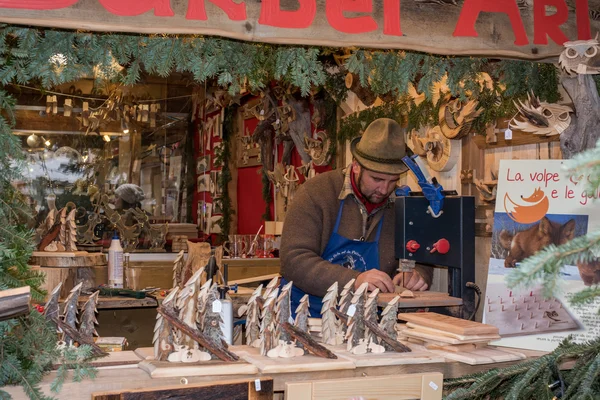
584,131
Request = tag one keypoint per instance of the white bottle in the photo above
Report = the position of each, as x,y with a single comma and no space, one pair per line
115,263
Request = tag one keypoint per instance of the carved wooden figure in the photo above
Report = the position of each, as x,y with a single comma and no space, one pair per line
163,331
302,314
283,312
371,315
271,286
87,325
345,301
212,319
356,311
389,317
253,319
71,239
267,323
178,265
51,310
202,300
329,322
541,118
198,256
70,311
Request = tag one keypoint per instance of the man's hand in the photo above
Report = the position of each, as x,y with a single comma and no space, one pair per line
414,281
376,279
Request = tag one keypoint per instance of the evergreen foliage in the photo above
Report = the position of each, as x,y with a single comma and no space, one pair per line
224,160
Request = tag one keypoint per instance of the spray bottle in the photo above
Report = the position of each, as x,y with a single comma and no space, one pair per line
115,262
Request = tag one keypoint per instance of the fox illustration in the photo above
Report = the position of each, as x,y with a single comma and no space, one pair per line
528,242
535,208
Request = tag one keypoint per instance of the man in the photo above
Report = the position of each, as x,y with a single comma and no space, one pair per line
341,223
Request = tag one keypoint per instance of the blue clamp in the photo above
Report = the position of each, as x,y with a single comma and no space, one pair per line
431,191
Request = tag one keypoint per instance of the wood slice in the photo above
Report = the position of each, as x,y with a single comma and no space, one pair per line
14,302
67,259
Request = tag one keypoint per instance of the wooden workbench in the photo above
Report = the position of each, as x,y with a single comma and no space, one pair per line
128,376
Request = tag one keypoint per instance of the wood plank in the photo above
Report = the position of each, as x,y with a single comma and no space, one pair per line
440,332
519,139
425,27
417,356
480,356
254,279
298,391
450,324
67,259
14,302
422,299
165,369
306,363
436,340
240,389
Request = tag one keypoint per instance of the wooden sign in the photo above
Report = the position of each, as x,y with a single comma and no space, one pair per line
458,27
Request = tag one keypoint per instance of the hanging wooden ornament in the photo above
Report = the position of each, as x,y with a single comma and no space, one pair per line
456,117
318,149
541,118
581,57
442,153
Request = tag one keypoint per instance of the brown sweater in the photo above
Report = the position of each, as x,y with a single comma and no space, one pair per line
309,223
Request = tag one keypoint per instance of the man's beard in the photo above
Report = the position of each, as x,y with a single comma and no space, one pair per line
374,197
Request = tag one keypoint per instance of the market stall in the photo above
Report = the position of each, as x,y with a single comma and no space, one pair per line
163,148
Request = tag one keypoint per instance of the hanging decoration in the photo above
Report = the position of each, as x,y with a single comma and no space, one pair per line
541,118
581,57
441,153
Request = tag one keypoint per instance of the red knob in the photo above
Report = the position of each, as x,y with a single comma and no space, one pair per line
412,246
442,246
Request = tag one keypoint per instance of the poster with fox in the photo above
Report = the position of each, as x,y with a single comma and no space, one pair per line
539,204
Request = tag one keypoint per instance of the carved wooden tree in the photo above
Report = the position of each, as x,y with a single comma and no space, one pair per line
212,319
345,301
371,315
178,266
71,238
356,323
201,307
584,130
389,318
164,336
267,324
187,302
253,319
302,314
272,285
70,312
87,325
283,311
329,322
51,310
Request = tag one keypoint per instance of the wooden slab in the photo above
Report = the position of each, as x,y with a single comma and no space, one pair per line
420,356
435,339
145,353
461,338
165,369
306,363
486,355
67,259
449,324
421,299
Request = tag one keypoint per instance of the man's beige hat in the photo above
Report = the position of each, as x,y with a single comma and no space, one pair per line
381,147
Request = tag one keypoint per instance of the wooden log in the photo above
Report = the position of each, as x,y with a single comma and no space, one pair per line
343,317
308,342
14,302
396,345
76,336
67,259
221,352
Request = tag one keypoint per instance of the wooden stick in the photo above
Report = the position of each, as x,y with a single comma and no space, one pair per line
380,333
340,315
76,336
309,343
219,350
14,302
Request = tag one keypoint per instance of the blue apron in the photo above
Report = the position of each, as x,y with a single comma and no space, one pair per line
353,254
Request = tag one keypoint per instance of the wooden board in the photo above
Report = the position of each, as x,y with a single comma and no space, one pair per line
388,358
462,338
421,299
14,302
486,355
519,139
436,339
306,363
144,353
426,386
67,259
430,27
450,324
165,369
235,390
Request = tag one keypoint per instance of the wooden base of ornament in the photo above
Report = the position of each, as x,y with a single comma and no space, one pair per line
305,363
417,356
165,369
67,259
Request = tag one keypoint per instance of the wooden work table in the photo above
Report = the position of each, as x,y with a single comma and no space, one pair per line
126,375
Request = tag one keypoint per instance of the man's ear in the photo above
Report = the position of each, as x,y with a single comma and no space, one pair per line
355,167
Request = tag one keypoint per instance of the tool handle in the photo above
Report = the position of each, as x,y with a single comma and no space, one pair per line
105,291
